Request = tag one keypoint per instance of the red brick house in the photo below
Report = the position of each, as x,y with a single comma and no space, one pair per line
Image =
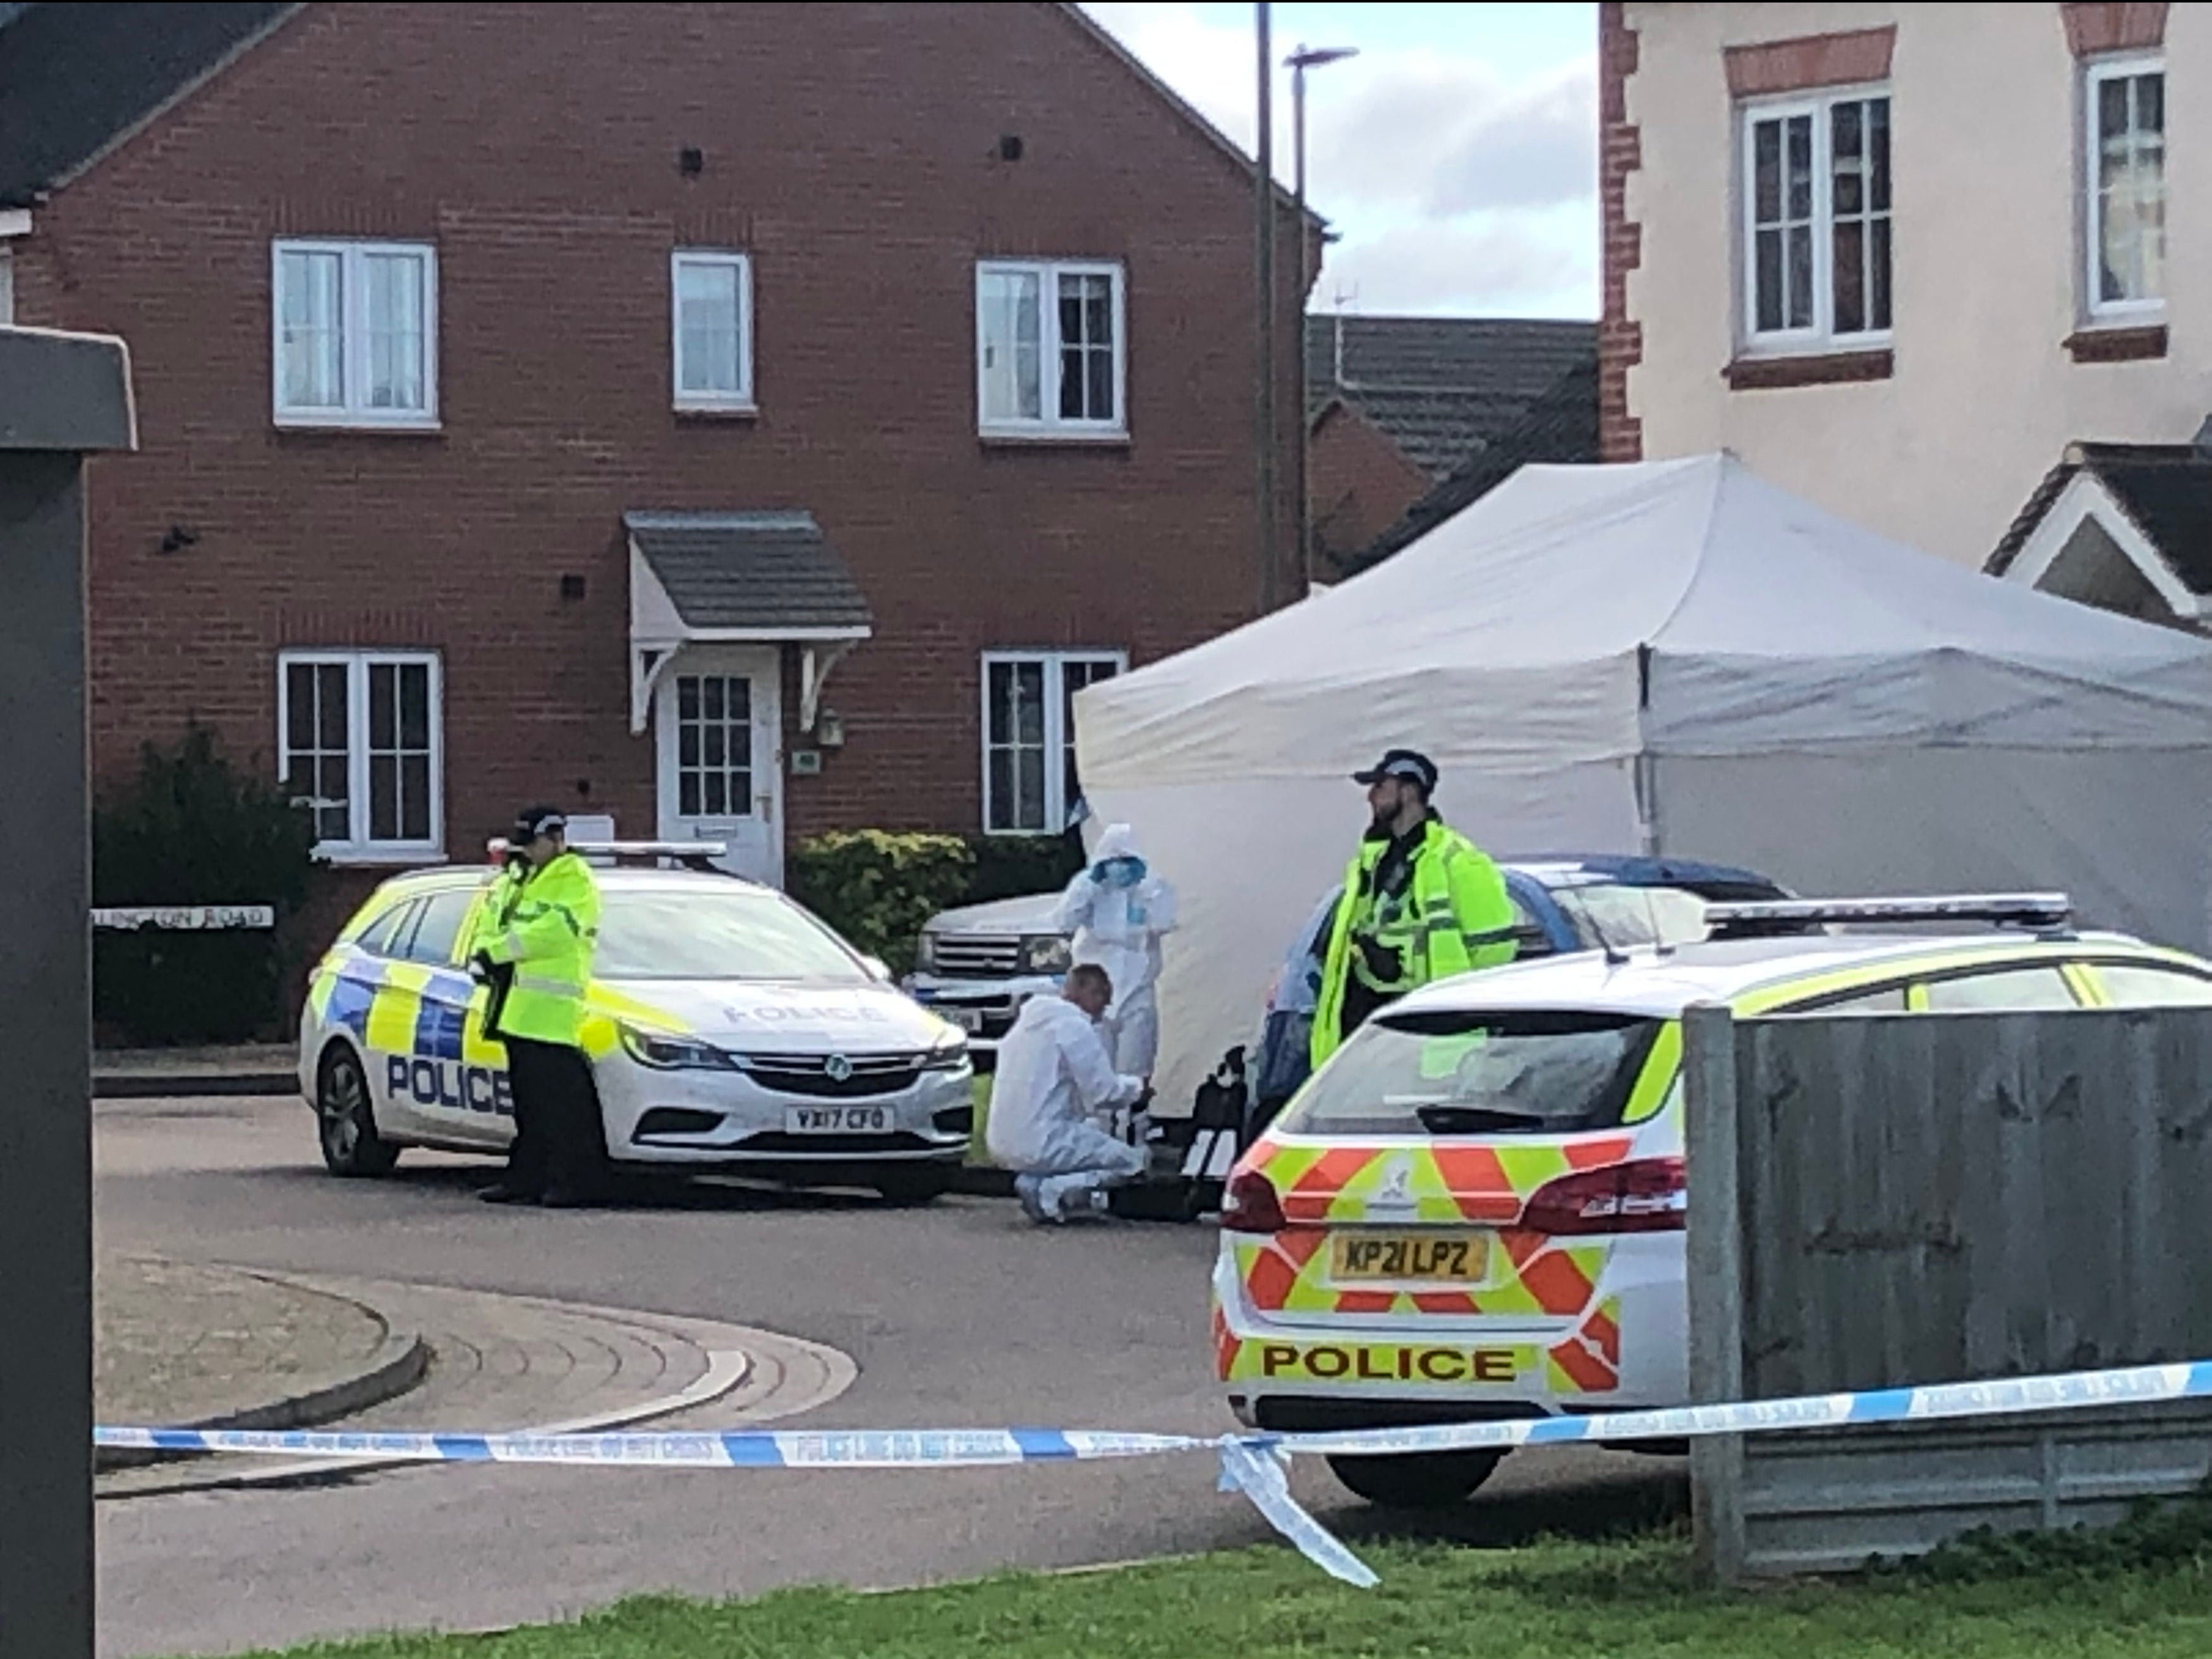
1412,418
736,419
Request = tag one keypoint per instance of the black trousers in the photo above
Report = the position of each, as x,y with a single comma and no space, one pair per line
558,1141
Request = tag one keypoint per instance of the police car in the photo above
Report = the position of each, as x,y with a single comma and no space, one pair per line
1475,1210
727,1028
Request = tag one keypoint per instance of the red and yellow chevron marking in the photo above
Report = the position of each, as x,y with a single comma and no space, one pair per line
1225,1346
1588,1362
1441,1184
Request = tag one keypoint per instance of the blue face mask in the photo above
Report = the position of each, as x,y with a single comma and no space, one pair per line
1121,872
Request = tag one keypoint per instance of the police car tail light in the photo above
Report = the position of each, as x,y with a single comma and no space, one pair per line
1650,1195
1250,1205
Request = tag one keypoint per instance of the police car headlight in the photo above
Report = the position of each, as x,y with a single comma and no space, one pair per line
1046,953
671,1053
949,1053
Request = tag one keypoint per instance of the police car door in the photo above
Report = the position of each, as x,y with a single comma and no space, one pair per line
447,1079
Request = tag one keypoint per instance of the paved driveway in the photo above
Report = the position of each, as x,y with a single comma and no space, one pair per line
956,1315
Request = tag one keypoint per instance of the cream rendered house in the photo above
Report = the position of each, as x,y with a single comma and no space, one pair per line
1946,269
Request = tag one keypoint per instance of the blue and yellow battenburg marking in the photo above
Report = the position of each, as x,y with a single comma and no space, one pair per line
422,1026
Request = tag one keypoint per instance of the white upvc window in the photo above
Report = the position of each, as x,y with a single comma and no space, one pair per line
1816,222
356,334
2124,185
711,328
1051,349
1029,735
7,285
359,737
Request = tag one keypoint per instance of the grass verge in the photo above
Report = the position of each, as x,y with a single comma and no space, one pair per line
1627,1599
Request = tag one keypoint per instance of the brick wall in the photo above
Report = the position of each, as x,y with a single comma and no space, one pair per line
1620,341
853,150
1361,482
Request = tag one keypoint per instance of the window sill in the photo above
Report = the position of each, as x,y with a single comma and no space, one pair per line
2116,343
1025,437
430,428
379,858
1810,368
733,411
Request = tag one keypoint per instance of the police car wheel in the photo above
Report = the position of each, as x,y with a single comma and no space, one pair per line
916,1186
345,1122
1433,1481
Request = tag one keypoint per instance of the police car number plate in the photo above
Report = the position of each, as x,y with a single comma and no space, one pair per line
838,1119
1443,1258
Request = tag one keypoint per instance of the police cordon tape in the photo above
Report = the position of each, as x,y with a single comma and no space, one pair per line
1255,1465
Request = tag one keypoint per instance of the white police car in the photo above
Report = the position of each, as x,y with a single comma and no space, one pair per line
727,1028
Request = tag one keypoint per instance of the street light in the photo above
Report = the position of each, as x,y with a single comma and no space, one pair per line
1299,62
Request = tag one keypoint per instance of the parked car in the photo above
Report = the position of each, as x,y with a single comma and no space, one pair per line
728,1029
977,965
1476,1210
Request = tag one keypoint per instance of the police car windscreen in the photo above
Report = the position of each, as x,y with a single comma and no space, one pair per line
734,935
1533,1072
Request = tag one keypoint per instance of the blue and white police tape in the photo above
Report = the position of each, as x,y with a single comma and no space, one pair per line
1255,1465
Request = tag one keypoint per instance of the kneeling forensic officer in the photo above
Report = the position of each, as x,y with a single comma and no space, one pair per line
1054,1085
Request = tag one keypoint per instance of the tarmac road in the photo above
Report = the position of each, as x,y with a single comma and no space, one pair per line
956,1315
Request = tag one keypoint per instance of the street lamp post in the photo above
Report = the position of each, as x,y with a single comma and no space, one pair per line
1266,423
1299,62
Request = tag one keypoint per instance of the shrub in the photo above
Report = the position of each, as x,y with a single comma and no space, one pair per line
193,830
877,888
1014,866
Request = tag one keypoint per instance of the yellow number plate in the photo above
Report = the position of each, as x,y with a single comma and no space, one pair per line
1436,1258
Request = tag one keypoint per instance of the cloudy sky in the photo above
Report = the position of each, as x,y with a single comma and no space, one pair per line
1457,154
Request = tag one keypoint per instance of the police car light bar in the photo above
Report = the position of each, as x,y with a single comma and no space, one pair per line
2040,910
687,851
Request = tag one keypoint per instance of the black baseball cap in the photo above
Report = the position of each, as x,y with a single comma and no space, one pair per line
1408,763
533,821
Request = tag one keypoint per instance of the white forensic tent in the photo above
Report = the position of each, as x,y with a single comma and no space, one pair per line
1672,657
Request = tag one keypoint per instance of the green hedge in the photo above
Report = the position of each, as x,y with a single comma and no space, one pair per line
1014,866
878,887
193,830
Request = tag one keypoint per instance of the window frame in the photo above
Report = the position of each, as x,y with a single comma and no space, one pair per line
1057,736
353,341
1051,426
743,400
358,848
2095,71
1821,339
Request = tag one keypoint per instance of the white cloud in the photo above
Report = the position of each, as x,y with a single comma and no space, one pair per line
1445,136
1453,186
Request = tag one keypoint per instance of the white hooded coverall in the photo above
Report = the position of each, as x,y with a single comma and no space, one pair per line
1118,928
1052,1079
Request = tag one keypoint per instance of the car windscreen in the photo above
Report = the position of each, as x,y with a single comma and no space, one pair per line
1533,1072
738,935
1615,913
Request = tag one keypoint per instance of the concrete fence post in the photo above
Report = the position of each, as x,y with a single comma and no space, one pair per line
1716,1268
61,397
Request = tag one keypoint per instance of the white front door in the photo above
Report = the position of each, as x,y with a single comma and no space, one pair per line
718,716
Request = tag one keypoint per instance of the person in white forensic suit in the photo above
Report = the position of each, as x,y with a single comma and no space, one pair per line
1118,910
1053,1085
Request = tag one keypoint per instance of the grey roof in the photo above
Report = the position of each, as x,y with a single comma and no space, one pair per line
749,569
1560,427
2164,490
1440,388
74,78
